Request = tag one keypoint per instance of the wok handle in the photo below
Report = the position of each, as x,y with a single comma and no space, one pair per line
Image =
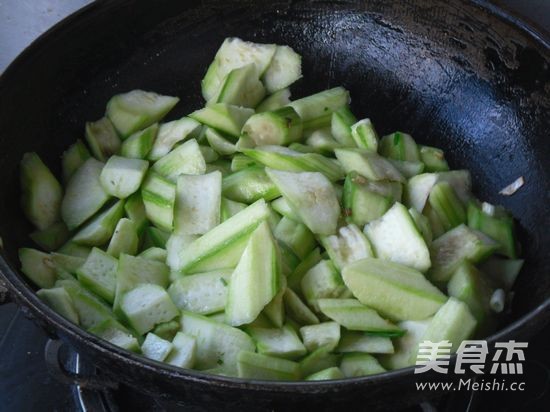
57,369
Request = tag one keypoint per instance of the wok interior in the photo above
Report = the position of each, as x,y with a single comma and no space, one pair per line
447,74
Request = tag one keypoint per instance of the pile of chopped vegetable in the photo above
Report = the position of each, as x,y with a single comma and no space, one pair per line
261,237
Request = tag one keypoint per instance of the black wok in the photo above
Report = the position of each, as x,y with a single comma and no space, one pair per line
454,74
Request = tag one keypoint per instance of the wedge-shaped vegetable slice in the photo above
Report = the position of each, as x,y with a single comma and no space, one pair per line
447,205
394,290
249,185
115,333
399,146
156,348
361,203
326,374
311,196
100,229
281,126
281,342
298,310
360,364
364,135
353,315
122,176
98,274
433,158
133,271
59,300
185,159
198,200
340,126
232,54
217,344
295,278
167,330
202,293
316,110
41,192
184,352
296,236
84,194
280,98
171,133
138,109
318,360
220,143
92,310
497,227
275,310
363,342
159,196
146,306
453,322
450,250
472,287
395,237
154,253
125,239
406,168
223,246
257,366
322,281
102,138
230,208
349,245
419,187
135,211
281,206
406,346
281,158
224,117
241,87
285,68
255,280
140,143
52,237
73,158
324,334
368,164
318,141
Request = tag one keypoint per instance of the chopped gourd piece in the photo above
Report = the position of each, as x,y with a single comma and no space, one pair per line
352,315
202,293
198,200
41,192
122,176
140,143
311,196
323,334
146,306
364,135
138,109
73,158
258,366
59,300
102,138
255,281
84,194
156,348
395,237
394,290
